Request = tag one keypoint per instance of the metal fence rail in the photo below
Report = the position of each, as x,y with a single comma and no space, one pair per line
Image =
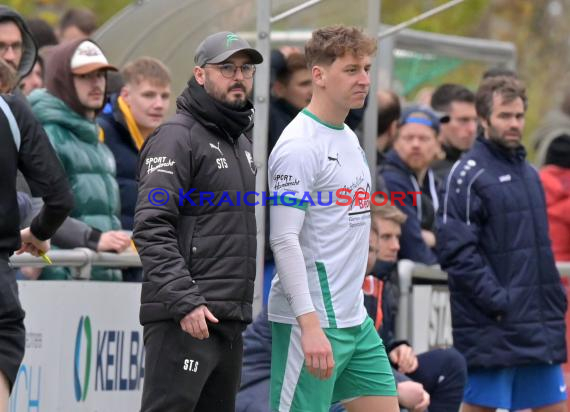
80,260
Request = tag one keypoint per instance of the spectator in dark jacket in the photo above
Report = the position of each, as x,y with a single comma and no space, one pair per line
389,112
458,124
406,169
129,118
507,302
292,91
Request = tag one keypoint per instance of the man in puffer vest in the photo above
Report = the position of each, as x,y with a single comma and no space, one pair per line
507,302
75,90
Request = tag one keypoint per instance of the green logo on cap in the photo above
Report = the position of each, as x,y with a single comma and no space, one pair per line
230,38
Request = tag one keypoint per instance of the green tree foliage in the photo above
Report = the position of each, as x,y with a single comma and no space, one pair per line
51,10
538,29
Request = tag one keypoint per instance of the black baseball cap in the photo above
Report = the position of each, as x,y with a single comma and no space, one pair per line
219,47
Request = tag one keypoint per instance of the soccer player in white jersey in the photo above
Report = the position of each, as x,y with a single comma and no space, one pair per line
325,348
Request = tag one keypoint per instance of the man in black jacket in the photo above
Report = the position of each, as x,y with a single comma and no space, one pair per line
458,125
25,147
196,234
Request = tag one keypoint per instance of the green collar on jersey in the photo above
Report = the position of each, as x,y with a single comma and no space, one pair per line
314,117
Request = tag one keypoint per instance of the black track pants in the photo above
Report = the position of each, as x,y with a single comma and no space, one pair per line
184,374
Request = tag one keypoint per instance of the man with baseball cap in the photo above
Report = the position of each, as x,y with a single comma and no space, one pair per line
407,169
75,79
198,255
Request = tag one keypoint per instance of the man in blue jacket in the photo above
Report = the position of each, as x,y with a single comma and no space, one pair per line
406,169
128,120
507,302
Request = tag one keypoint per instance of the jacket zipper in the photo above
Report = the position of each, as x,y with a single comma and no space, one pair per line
244,214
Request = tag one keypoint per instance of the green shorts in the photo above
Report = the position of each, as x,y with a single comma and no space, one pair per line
361,369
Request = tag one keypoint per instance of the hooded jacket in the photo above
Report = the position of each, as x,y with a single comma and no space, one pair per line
196,251
89,164
30,51
507,303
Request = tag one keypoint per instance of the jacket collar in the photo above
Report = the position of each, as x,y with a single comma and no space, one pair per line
517,155
286,107
429,185
231,123
451,153
130,123
382,269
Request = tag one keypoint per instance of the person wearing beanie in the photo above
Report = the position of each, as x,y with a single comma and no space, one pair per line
406,169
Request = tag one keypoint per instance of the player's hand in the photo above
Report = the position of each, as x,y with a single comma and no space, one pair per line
429,238
32,244
412,396
404,356
319,358
194,323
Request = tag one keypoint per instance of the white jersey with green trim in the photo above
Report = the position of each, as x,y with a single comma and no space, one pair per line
311,161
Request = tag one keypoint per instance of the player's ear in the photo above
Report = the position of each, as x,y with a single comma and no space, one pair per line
200,75
319,75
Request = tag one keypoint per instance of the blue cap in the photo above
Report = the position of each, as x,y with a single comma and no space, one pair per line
420,114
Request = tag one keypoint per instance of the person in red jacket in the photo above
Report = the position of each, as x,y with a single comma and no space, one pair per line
555,177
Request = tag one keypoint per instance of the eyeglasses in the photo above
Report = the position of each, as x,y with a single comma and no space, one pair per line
229,70
16,47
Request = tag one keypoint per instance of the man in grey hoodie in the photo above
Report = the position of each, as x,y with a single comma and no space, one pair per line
17,46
